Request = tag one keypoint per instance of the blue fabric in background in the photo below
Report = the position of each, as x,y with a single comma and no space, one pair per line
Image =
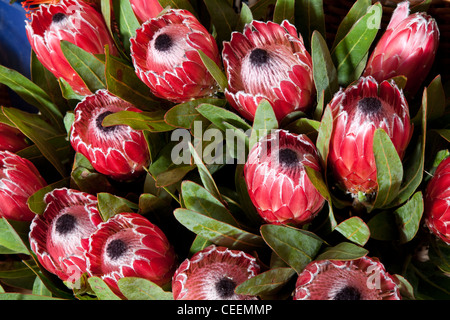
15,49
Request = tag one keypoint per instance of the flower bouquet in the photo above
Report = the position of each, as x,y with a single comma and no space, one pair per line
213,150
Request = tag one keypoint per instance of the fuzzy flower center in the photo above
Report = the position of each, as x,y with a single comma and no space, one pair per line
225,287
288,158
163,42
58,17
259,57
65,224
370,105
116,248
348,293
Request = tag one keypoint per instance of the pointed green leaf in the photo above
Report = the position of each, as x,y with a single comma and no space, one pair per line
309,16
151,121
126,20
110,205
214,70
184,114
101,289
324,136
177,4
9,238
142,289
223,17
218,116
264,121
408,217
355,230
383,226
266,283
245,16
284,10
343,251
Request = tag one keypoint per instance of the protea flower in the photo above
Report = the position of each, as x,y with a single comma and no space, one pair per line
357,112
277,181
361,279
74,21
19,179
129,245
213,274
437,202
11,139
407,48
117,151
268,61
165,56
59,236
146,9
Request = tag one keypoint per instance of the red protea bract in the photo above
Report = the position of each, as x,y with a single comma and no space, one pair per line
74,21
19,179
268,61
361,279
276,179
146,9
59,236
165,56
11,139
407,48
116,151
213,274
437,202
129,245
357,112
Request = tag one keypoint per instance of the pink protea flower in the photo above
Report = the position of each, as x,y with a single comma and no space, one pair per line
165,56
407,48
437,202
361,279
268,61
11,139
146,9
19,179
128,245
72,20
277,181
357,112
117,151
213,274
59,237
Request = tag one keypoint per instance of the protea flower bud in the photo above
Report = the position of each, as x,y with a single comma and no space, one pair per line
146,9
268,61
213,274
11,139
74,21
19,179
361,279
165,56
277,181
357,112
59,236
407,48
437,202
128,245
117,151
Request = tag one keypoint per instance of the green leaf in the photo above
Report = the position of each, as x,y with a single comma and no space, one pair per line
197,198
324,136
262,9
223,17
266,283
408,217
389,169
151,121
218,232
353,48
214,70
9,238
309,16
295,246
36,200
284,10
142,289
244,199
245,16
177,4
355,230
184,114
318,181
90,68
101,289
264,121
126,20
324,71
110,205
383,226
343,251
23,296
218,116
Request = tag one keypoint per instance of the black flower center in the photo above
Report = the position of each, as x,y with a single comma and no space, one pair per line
369,105
288,158
348,293
100,119
58,17
163,42
225,287
258,57
116,249
65,224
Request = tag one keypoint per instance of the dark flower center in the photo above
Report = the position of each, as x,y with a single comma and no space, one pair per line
258,57
100,119
225,287
369,105
163,42
58,17
65,224
288,158
348,293
116,249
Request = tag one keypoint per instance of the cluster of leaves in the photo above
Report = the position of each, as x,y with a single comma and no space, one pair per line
198,204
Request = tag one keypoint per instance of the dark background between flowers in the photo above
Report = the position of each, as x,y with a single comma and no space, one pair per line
395,233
